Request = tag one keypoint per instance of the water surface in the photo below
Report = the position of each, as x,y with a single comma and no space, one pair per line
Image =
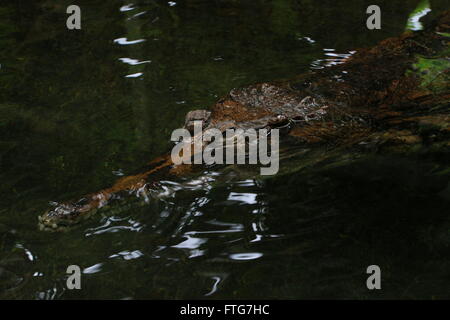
78,109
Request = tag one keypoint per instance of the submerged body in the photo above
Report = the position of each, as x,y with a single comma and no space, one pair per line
390,97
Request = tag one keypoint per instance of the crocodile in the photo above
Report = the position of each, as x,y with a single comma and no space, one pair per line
395,95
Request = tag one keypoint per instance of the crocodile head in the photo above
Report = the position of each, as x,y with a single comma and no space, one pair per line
63,215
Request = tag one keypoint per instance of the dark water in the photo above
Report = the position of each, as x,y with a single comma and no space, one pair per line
80,108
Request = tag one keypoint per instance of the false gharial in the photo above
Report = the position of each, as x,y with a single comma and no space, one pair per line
391,98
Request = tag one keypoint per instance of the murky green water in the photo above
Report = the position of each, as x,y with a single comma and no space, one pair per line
80,108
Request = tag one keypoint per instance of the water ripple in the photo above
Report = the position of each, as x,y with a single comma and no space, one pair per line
127,255
93,269
246,256
133,62
127,7
125,41
335,59
134,75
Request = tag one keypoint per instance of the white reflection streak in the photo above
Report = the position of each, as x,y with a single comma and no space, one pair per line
258,237
108,227
50,294
125,41
213,231
127,7
93,269
127,255
27,252
190,243
414,22
214,288
234,227
133,62
246,183
336,58
248,198
134,75
137,15
246,256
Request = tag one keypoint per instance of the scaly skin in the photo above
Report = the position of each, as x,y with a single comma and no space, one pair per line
379,96
67,214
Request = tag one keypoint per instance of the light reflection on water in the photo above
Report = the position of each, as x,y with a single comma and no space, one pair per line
133,62
246,256
248,198
134,75
113,224
93,269
422,10
332,59
127,7
127,255
125,41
